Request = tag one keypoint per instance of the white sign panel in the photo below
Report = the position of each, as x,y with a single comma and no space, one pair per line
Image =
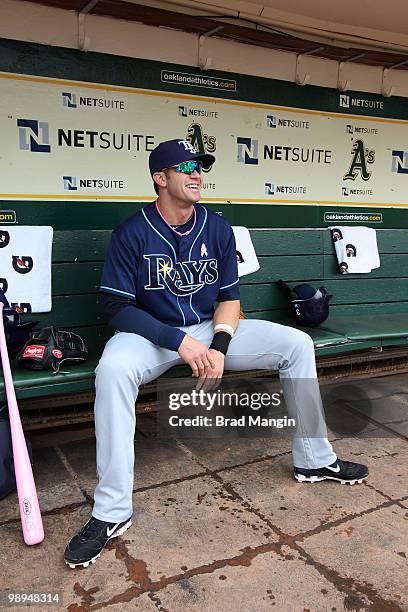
65,140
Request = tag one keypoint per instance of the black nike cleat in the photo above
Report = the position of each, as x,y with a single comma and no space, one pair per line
86,546
341,471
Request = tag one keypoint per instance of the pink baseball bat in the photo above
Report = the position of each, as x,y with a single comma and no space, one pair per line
31,522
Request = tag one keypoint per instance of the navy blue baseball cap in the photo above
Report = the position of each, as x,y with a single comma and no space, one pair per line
173,152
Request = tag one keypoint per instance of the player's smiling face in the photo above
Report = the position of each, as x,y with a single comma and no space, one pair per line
184,187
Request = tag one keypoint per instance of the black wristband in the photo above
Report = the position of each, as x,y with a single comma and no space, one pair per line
221,341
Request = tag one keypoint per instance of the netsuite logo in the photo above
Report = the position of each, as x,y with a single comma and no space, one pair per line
72,100
70,183
347,101
73,183
355,129
344,101
400,162
33,135
248,153
184,111
69,100
272,189
247,150
273,122
360,192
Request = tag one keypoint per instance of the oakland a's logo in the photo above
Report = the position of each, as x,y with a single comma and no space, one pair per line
202,142
182,278
360,158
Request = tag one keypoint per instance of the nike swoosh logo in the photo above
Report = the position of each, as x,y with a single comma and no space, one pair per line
333,469
110,531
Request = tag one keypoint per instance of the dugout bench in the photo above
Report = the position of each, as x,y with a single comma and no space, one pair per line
366,333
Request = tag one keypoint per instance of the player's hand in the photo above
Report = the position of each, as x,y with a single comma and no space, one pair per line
213,375
196,354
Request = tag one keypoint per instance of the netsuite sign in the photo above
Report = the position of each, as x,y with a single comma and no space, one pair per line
273,189
73,183
348,101
247,153
34,136
73,100
272,121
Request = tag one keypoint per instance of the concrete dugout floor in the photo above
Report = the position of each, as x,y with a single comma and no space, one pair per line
222,525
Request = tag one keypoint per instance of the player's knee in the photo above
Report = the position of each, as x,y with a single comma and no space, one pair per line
120,369
297,343
303,343
111,369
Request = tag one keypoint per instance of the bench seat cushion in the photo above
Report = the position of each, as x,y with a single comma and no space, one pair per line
363,327
30,383
321,336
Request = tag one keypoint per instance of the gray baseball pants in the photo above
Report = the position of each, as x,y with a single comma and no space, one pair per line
129,361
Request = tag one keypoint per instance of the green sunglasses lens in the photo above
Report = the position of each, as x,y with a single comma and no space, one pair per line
189,167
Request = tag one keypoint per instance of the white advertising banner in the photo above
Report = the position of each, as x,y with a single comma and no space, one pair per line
73,140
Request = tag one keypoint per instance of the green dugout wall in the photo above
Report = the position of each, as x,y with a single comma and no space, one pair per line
342,155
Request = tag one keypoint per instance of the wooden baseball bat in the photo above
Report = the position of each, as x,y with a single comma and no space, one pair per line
31,522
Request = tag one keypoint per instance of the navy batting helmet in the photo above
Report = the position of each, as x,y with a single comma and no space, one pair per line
309,306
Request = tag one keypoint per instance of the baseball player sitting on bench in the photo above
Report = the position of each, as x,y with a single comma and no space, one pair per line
165,268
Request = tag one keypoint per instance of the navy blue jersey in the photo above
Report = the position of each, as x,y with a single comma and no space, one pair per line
177,279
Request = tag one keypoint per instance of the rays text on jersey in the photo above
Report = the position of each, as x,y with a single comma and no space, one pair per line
182,277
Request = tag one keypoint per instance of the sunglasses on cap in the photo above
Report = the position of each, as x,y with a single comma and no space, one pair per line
188,167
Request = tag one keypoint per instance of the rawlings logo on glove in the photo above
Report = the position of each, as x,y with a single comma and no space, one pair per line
50,347
34,351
